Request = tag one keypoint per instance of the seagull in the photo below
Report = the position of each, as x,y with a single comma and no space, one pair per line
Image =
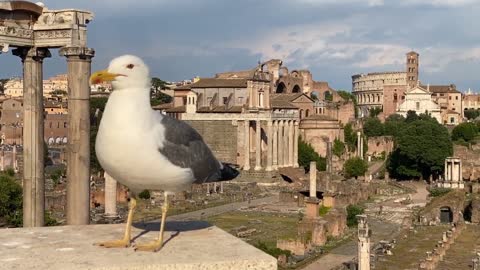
146,150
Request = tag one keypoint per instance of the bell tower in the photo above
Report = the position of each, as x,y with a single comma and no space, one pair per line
412,69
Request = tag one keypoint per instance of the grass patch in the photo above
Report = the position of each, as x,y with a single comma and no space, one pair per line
323,210
352,212
439,191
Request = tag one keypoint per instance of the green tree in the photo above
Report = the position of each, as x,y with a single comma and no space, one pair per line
10,200
393,124
59,92
350,137
338,148
355,167
352,212
421,148
346,95
313,95
328,96
306,154
471,114
373,127
160,98
96,103
374,112
465,131
2,84
158,84
144,195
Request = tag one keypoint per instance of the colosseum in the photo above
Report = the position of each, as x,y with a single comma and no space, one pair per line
384,90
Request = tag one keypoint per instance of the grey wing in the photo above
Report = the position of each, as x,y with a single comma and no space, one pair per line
184,147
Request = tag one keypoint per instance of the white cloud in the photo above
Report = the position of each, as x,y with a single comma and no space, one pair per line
370,3
448,3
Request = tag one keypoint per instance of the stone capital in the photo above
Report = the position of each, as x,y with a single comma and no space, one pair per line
80,52
37,54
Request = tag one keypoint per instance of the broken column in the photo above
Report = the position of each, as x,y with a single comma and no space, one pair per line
329,157
359,145
110,196
312,202
363,243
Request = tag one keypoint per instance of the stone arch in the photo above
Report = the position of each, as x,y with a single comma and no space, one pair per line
51,141
295,74
307,112
446,214
281,88
296,89
378,98
327,95
301,113
58,140
65,140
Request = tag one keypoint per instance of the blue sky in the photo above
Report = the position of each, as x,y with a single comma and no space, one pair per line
333,38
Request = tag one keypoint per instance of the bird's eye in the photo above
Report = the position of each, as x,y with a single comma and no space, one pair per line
130,66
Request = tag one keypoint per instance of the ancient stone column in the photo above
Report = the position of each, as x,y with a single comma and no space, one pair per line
246,166
33,145
221,187
269,146
2,160
329,157
363,243
359,146
280,144
110,196
313,179
285,145
14,158
295,145
275,145
258,146
290,143
79,61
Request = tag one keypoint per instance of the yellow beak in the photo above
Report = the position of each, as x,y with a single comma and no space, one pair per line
102,76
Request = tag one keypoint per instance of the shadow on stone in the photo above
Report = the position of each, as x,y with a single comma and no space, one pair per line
170,226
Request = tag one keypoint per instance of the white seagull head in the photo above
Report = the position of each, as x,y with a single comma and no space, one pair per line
124,72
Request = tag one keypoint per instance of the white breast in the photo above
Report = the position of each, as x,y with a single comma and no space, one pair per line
127,148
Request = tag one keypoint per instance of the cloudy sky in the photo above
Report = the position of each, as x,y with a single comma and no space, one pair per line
181,39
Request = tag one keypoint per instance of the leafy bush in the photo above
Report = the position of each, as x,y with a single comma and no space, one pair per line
352,212
464,131
437,192
306,154
355,167
10,200
323,210
338,148
145,195
350,137
274,251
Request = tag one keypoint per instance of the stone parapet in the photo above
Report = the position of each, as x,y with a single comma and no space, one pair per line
189,245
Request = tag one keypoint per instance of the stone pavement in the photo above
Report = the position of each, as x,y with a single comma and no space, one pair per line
217,210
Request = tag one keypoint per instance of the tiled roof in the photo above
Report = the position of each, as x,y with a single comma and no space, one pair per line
441,88
218,83
284,101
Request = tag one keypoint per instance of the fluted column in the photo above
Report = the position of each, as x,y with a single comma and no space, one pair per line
33,145
79,60
275,145
246,165
280,144
258,146
269,146
290,143
295,145
110,196
286,151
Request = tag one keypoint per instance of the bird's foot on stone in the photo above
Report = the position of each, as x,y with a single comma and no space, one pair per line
122,243
151,246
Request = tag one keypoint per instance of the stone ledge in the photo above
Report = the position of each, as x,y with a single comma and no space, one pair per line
189,245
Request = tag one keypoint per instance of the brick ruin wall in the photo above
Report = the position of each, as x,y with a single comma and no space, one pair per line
220,136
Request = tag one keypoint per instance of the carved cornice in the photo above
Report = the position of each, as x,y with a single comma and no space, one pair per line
82,52
15,32
37,54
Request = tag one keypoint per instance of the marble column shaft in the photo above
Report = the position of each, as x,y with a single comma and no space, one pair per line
290,143
313,179
246,165
295,145
79,61
33,145
269,146
275,145
280,144
258,146
286,151
110,196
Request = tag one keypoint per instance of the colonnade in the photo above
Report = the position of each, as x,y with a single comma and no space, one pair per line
280,139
